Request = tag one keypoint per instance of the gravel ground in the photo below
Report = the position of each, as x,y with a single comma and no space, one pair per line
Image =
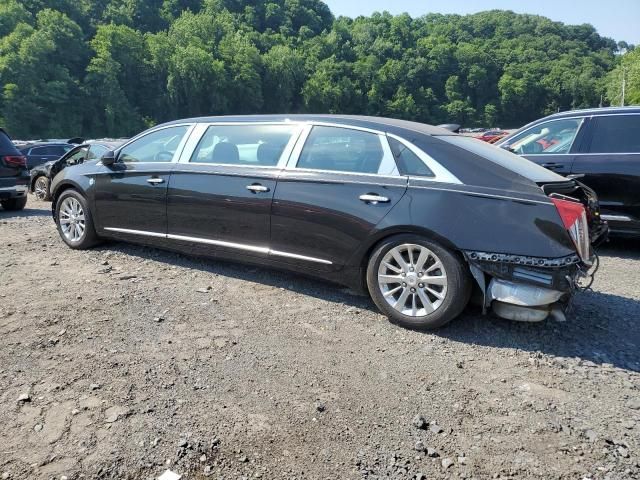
125,361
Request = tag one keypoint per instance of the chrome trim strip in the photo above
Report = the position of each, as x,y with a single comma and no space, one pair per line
220,243
17,188
583,154
299,257
136,232
616,218
441,174
479,194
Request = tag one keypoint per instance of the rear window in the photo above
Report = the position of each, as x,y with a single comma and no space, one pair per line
6,145
57,150
499,156
616,134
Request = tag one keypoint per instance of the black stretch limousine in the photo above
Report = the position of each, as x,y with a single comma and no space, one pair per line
415,214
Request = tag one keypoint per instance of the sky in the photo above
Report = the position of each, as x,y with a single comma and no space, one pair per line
617,19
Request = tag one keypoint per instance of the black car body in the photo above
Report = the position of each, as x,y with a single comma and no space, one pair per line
41,175
41,152
14,177
368,202
600,147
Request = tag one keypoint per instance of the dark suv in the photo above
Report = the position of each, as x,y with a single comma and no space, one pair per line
39,153
14,177
598,147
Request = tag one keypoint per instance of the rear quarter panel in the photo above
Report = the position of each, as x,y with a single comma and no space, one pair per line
476,218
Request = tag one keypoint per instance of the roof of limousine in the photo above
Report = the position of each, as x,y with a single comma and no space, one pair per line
375,123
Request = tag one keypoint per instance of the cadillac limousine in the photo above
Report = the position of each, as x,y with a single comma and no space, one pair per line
415,215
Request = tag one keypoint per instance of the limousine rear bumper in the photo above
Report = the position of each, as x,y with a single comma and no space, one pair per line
527,288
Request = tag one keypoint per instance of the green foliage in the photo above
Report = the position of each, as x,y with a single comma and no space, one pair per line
112,67
629,68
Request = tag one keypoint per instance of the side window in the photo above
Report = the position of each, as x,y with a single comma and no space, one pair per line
158,146
77,157
408,162
616,134
96,151
342,150
553,137
257,145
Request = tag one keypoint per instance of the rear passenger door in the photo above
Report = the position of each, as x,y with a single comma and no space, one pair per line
610,165
221,194
340,183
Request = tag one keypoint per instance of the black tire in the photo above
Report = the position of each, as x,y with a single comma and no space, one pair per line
46,195
89,237
458,284
13,204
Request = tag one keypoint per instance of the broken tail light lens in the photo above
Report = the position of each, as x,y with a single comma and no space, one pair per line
574,218
15,161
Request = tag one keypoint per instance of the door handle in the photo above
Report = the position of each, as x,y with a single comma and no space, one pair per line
154,180
552,166
257,188
373,198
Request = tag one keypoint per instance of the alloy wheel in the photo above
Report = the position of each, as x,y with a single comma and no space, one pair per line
412,279
71,218
40,188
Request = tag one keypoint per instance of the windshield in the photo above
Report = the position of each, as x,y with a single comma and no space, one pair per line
508,160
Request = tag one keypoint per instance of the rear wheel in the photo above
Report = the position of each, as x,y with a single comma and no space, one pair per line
41,188
74,220
14,203
417,283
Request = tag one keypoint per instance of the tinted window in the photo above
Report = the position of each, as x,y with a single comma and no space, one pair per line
96,151
341,149
505,159
408,162
5,142
616,134
50,150
552,137
158,146
260,145
77,157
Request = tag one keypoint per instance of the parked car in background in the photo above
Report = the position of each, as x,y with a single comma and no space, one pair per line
411,213
14,177
40,152
599,147
492,136
42,175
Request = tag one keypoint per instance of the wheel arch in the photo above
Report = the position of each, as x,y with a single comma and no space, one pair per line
361,257
59,189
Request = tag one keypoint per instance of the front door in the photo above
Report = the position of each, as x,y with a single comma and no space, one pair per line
130,195
611,167
221,197
344,183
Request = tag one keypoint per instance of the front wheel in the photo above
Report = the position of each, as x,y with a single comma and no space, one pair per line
74,220
41,188
417,283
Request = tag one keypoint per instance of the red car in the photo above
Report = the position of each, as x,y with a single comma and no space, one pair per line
492,136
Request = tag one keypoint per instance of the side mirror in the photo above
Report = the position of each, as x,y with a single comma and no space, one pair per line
109,158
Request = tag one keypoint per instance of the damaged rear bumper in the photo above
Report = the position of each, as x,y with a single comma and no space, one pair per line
526,288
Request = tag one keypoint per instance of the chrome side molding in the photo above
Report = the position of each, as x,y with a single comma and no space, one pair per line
220,243
616,218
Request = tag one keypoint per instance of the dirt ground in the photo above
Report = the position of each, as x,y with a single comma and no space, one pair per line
125,361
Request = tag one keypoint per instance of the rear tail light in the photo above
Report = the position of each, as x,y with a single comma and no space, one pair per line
574,218
15,160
